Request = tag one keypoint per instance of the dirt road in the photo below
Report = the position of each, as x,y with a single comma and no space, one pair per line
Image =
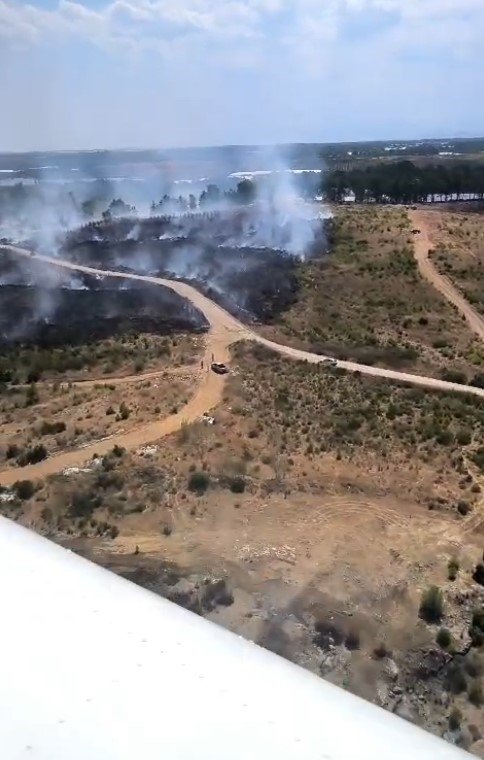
428,270
223,332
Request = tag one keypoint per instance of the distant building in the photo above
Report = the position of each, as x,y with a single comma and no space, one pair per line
350,197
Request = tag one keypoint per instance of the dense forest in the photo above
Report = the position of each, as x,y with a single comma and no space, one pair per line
404,182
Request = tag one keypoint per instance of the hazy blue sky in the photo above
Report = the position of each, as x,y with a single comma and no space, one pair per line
158,73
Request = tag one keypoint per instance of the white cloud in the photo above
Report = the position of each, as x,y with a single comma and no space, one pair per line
306,22
185,71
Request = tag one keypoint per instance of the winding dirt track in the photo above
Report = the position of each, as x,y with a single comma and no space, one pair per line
224,330
423,245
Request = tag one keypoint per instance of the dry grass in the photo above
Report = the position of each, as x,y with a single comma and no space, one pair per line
460,253
66,415
366,300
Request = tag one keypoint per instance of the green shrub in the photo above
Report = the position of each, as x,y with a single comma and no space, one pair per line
13,451
453,569
237,485
24,489
478,380
83,504
464,437
453,376
476,628
113,531
475,694
478,574
444,638
455,719
31,396
198,482
32,455
456,679
431,605
123,411
52,428
381,651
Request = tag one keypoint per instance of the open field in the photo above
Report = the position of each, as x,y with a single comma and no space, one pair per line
366,301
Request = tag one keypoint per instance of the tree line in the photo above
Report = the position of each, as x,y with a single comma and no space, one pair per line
404,182
212,196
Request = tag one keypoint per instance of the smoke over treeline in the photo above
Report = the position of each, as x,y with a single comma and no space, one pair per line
240,238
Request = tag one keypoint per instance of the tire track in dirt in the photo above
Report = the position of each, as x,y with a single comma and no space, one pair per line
428,270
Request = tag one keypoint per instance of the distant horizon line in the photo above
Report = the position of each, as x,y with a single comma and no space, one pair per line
130,149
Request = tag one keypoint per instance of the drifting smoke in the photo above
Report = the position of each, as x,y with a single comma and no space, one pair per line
239,235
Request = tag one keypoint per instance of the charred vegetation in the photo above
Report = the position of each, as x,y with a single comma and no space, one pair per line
47,309
224,253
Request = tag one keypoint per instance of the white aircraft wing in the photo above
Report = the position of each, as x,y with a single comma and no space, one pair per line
93,667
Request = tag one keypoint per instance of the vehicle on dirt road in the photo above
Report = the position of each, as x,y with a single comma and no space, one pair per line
219,368
329,361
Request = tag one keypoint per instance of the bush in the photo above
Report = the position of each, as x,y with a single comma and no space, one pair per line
109,411
352,641
455,718
381,651
13,451
478,574
453,376
432,605
456,679
463,508
83,504
112,480
52,428
476,628
452,569
477,636
464,437
478,619
123,411
473,665
198,482
444,638
31,396
478,380
24,489
118,451
33,455
475,694
237,485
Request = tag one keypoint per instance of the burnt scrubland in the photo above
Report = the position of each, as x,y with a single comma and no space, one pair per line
252,271
46,307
